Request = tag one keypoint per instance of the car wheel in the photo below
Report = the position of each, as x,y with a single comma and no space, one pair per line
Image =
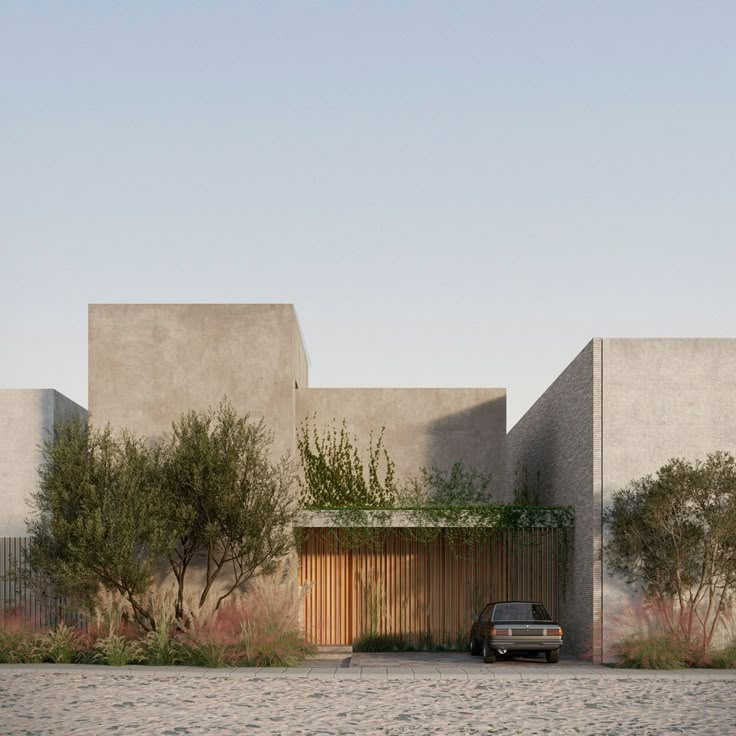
553,656
474,646
489,655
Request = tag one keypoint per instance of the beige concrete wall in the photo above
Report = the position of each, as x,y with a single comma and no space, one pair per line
27,418
554,444
423,425
148,363
662,398
620,411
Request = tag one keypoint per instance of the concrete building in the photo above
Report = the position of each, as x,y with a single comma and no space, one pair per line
27,418
619,411
148,363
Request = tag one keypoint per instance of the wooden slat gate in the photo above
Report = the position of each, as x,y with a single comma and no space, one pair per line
420,589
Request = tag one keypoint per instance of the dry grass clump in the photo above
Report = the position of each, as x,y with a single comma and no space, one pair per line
651,642
257,628
654,651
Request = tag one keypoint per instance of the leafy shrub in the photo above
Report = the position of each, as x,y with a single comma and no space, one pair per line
425,641
673,536
458,486
372,642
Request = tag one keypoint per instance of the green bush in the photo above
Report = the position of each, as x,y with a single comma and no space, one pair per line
372,642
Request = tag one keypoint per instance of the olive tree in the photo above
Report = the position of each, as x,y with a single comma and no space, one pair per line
673,535
229,503
97,517
111,509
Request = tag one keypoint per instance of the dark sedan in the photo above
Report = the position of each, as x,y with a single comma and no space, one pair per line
508,628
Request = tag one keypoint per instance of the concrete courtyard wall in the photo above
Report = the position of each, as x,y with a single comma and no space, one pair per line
422,425
27,418
553,446
662,398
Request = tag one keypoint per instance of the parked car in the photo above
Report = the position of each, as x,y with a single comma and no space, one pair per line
508,628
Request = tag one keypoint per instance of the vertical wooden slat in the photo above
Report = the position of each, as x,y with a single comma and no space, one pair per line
413,587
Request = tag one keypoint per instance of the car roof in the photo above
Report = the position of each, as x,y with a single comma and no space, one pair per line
535,603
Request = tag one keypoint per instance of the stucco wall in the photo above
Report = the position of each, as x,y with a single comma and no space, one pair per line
553,444
423,425
27,418
148,363
662,398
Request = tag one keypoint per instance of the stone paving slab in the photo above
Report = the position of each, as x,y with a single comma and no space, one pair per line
322,673
507,671
295,672
400,673
454,673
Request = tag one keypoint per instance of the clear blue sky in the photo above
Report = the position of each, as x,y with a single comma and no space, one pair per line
452,194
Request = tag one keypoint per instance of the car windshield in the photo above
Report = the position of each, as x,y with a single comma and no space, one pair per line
520,612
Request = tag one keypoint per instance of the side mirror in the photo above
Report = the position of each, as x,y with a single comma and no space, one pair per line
476,617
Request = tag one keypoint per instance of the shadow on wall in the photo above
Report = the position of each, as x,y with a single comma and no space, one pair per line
477,438
527,480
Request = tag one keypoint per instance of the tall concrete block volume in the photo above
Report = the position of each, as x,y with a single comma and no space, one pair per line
27,418
661,398
619,411
551,449
148,363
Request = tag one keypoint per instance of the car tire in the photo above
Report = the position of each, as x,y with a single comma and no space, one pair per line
489,655
553,656
475,649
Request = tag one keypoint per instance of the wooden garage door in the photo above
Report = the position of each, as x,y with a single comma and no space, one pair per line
414,588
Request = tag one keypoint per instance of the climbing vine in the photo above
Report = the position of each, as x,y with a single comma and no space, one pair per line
335,475
360,504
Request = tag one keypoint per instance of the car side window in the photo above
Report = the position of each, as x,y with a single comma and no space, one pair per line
486,615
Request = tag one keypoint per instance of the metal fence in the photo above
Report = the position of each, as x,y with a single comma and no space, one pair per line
26,596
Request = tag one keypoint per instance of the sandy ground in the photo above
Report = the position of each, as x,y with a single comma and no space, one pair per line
159,703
